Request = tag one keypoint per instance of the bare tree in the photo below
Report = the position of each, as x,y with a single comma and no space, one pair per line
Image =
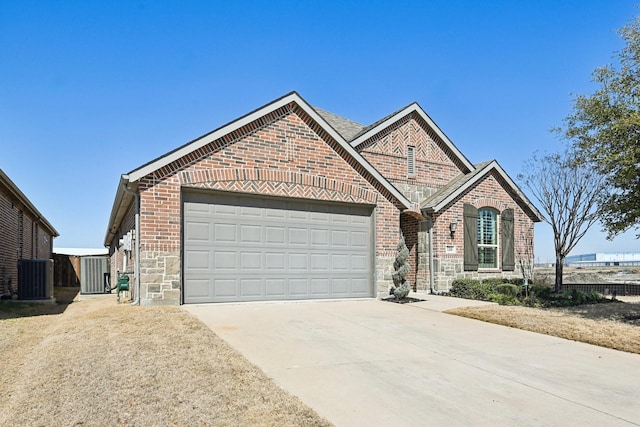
525,256
568,192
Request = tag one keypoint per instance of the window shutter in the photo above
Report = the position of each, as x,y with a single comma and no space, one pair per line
508,256
470,238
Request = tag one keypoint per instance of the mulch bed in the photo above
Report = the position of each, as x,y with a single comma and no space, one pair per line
405,300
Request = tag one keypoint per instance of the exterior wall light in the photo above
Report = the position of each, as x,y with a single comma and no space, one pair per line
453,227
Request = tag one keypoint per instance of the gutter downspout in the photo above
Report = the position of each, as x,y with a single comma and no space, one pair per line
136,265
431,272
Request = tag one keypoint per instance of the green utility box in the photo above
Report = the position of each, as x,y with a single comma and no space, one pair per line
123,282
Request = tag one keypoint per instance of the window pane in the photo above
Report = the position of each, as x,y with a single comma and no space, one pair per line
487,227
487,257
487,239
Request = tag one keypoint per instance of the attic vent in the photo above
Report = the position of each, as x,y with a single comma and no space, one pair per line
411,160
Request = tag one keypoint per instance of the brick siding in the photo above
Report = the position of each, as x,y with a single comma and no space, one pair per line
285,156
285,153
20,238
492,192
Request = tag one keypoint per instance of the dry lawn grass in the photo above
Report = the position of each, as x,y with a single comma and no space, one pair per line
615,325
101,364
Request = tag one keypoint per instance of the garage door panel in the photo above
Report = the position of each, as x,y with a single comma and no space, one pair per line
243,248
223,210
197,260
298,236
340,262
275,261
250,233
224,288
340,286
320,237
359,240
275,287
320,287
223,260
340,238
197,231
251,260
251,288
359,287
298,288
224,232
197,208
198,289
298,261
320,262
250,212
275,235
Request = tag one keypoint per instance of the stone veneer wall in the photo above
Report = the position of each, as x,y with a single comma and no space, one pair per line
160,277
449,269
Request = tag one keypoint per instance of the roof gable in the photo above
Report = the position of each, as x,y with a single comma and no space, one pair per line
255,116
397,116
192,150
437,201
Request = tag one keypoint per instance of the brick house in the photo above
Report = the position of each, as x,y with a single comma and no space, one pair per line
24,233
294,202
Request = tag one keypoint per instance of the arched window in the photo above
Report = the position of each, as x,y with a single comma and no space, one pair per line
487,238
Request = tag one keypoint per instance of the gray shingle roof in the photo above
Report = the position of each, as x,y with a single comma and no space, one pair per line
345,127
453,186
438,200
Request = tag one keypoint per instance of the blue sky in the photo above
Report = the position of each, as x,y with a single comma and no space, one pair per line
90,90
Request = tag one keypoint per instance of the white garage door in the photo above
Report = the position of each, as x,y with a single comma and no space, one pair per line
244,248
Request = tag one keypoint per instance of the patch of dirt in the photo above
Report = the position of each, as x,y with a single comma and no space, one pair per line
97,363
613,325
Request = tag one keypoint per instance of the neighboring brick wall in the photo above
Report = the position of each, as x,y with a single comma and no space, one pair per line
20,238
8,243
285,155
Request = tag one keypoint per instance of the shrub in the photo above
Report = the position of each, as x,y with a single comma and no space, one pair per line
504,299
532,301
494,281
482,291
574,297
540,291
508,289
462,288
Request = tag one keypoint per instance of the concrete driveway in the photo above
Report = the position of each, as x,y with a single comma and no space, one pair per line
374,363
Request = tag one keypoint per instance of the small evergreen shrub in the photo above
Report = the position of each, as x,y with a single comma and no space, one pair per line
504,299
482,291
508,289
540,291
574,297
462,288
517,281
494,281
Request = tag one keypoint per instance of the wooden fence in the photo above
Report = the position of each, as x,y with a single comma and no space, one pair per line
622,289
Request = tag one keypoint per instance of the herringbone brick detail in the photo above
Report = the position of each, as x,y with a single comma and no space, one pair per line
277,183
